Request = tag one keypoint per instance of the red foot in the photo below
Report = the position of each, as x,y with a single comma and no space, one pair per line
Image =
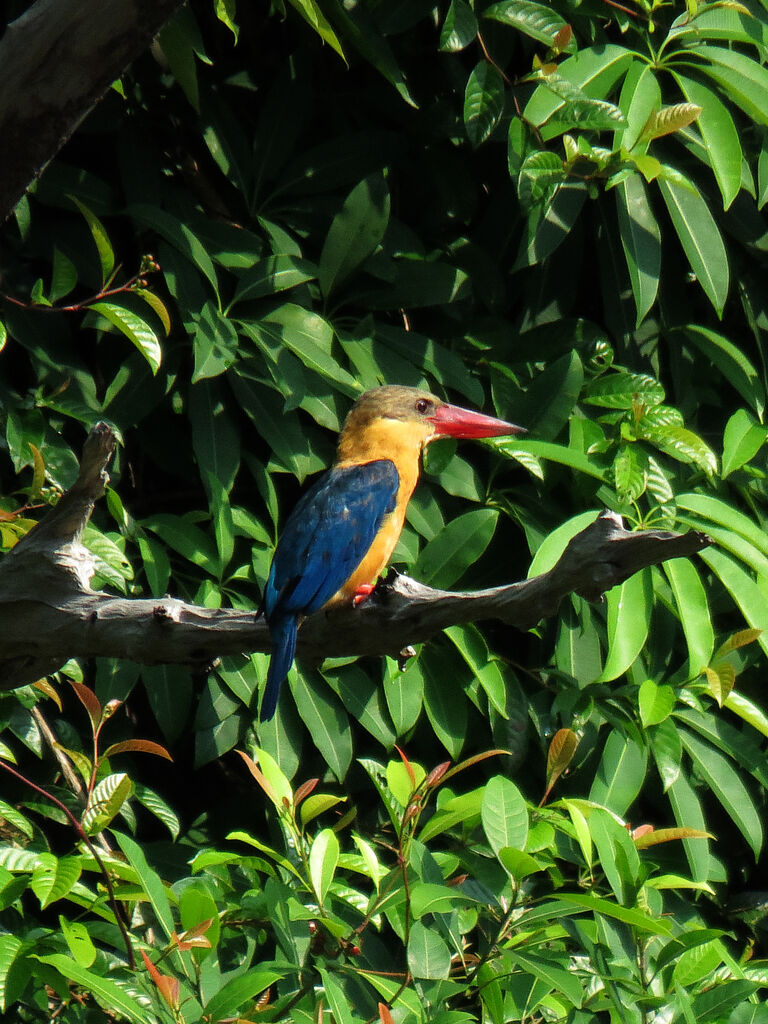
361,592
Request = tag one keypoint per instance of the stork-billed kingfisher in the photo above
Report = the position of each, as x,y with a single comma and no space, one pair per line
343,530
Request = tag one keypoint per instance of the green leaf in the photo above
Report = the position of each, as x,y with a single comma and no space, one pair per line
78,940
323,861
716,1002
688,814
354,232
110,996
136,329
459,27
743,589
326,720
215,344
742,80
312,13
63,276
536,20
10,945
555,977
641,241
428,955
719,774
731,362
459,545
622,389
444,700
720,136
54,877
238,991
742,440
151,883
667,750
655,702
620,773
271,275
700,238
635,918
680,443
540,175
553,546
483,102
504,815
692,607
310,338
105,802
629,613
100,237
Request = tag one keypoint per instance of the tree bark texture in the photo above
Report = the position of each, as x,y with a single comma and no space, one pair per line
49,613
56,62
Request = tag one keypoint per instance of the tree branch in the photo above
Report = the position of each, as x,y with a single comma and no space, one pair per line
49,613
56,62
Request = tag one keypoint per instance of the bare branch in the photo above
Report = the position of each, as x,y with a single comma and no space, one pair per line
49,613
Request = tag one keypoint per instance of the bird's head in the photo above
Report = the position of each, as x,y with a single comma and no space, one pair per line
411,417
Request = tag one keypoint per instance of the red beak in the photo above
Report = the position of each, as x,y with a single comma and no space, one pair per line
451,421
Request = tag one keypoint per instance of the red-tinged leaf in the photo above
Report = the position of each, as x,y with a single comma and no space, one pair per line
721,677
90,702
561,751
49,690
192,939
666,835
641,830
257,773
384,1015
470,761
408,766
139,746
562,38
437,774
740,639
199,929
110,708
304,790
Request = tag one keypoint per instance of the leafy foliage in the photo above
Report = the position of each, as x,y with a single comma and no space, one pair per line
554,210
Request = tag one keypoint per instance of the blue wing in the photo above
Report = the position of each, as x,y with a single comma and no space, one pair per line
327,536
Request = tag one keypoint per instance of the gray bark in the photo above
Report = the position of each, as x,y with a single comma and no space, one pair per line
49,613
56,62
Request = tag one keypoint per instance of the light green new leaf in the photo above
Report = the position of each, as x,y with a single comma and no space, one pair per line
742,440
135,328
79,941
54,877
483,102
355,232
312,13
700,238
720,136
323,861
629,613
105,801
692,607
641,241
655,702
504,815
725,783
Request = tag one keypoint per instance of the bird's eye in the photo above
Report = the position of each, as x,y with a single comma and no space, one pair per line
423,405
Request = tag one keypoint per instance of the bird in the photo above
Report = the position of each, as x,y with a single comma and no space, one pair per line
341,533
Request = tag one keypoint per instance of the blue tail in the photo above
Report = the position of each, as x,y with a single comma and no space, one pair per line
282,631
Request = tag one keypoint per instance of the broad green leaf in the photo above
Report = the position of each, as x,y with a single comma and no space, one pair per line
536,20
312,13
720,136
459,27
323,861
428,955
444,700
431,898
540,175
459,545
731,362
715,1003
553,971
54,877
742,440
111,997
238,991
464,810
177,234
629,612
681,444
10,945
688,814
747,711
598,905
724,782
154,889
553,546
692,607
63,276
483,102
630,472
325,718
641,241
105,802
354,232
620,773
310,338
640,96
622,389
78,940
547,450
718,511
655,702
742,588
136,329
504,815
617,855
667,750
100,238
700,238
595,69
742,80
271,275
